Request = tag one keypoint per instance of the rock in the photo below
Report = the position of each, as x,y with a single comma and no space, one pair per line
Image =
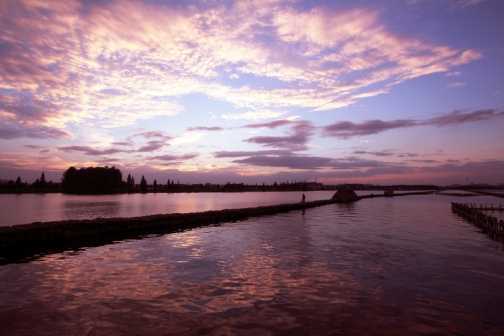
389,192
345,195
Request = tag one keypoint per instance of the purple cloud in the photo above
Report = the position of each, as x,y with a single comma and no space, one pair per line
151,135
160,141
309,162
38,132
89,150
202,128
287,161
122,143
272,124
296,141
386,152
408,155
458,117
226,154
174,157
424,161
348,129
152,146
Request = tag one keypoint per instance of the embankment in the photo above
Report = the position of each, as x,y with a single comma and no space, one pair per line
489,193
61,231
403,194
51,232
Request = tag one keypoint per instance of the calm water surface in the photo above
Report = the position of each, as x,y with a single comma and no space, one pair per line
29,208
403,265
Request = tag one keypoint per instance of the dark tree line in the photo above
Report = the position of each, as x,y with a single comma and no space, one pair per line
108,180
40,185
92,180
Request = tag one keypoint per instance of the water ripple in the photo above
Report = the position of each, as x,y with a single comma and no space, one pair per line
388,266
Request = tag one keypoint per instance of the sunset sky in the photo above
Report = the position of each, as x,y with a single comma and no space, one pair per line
254,91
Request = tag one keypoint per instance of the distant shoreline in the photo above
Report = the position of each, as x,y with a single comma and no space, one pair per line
488,191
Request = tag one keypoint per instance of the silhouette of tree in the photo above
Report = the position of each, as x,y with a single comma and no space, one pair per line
143,185
91,180
43,183
36,184
130,183
18,182
155,185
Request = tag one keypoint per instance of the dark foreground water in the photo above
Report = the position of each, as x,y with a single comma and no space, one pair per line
390,266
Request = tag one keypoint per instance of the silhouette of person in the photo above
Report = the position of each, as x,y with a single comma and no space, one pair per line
303,199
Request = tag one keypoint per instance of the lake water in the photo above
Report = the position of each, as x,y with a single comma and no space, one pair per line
28,208
402,265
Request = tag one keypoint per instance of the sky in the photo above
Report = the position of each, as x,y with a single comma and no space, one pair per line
215,91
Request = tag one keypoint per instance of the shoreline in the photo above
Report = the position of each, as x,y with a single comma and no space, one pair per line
39,192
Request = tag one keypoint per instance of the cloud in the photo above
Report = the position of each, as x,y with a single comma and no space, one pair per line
253,115
151,135
173,157
348,129
36,132
226,154
187,137
408,155
299,136
456,85
152,146
458,117
149,146
287,161
122,143
271,124
112,65
89,150
386,152
202,128
448,4
424,161
309,162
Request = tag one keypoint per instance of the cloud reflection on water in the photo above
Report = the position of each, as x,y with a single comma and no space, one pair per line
402,265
